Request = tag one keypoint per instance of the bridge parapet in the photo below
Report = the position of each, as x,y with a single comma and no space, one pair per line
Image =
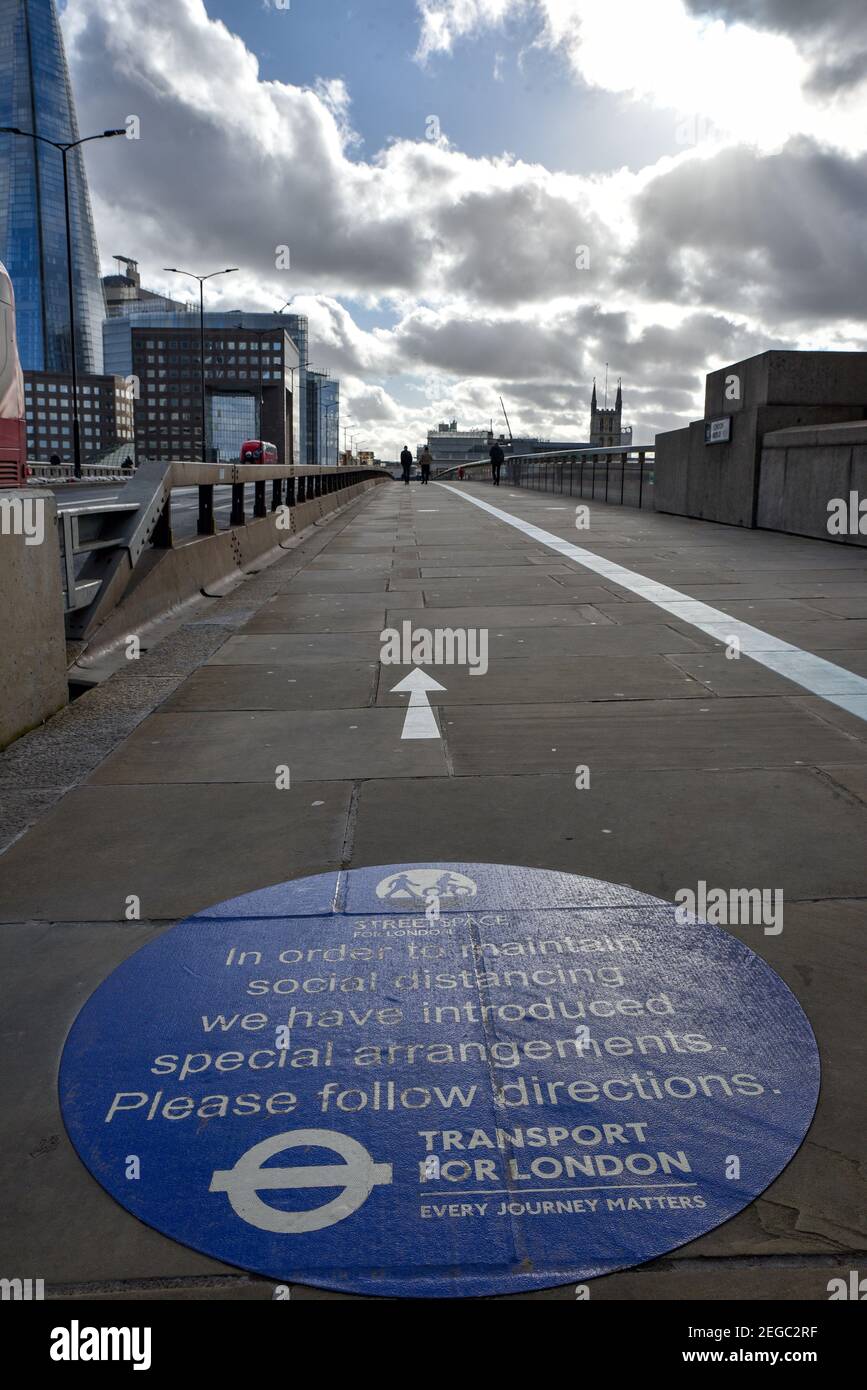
624,475
103,543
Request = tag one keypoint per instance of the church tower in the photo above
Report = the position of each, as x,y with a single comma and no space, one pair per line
606,424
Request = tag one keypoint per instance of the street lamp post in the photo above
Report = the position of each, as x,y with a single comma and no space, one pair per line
173,270
64,146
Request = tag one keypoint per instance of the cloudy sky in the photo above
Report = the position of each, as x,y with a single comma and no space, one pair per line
486,197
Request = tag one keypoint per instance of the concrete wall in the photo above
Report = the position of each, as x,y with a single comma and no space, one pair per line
775,390
804,469
670,471
32,645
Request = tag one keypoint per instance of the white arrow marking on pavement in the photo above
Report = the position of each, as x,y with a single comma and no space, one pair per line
420,722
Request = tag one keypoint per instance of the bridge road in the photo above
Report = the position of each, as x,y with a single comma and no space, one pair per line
701,767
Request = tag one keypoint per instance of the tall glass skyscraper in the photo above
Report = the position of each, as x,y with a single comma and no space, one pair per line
36,95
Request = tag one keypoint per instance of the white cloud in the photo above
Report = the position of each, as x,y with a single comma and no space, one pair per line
474,257
739,82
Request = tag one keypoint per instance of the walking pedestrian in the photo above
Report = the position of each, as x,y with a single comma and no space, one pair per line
497,459
426,460
406,463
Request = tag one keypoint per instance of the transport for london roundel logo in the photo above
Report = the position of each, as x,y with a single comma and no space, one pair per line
439,1079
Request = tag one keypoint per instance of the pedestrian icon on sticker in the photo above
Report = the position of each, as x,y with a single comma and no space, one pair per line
418,883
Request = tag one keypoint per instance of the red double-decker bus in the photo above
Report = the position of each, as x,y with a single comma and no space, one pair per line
257,451
13,432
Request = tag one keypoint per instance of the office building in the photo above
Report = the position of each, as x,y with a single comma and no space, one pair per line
248,391
125,294
105,413
36,96
323,420
254,376
450,446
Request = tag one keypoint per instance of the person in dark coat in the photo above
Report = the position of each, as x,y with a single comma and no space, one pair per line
426,460
497,460
406,463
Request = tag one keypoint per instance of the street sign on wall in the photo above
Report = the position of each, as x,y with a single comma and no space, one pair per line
439,1079
718,431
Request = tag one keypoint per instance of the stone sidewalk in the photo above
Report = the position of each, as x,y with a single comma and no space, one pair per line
161,784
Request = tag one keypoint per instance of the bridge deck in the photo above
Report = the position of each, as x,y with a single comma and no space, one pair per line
701,768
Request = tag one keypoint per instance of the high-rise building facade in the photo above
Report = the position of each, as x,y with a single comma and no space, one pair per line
36,97
230,336
323,408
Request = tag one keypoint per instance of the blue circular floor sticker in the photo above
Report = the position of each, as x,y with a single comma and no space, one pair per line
439,1080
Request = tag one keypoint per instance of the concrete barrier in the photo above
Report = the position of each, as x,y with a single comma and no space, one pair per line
717,478
33,645
810,474
164,581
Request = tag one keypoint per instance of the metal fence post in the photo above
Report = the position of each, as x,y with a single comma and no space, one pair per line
641,478
207,526
162,534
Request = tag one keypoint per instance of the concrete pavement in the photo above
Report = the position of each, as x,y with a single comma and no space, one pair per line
702,768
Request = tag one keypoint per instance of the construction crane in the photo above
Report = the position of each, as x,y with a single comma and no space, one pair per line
508,426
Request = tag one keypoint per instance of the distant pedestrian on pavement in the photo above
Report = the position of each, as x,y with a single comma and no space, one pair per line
497,459
406,464
426,460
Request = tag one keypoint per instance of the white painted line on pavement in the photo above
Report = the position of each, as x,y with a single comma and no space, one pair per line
813,673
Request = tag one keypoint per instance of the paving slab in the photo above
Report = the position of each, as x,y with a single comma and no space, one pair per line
653,831
277,620
352,564
257,649
496,616
643,734
524,680
178,848
516,566
333,582
723,675
462,593
252,746
304,684
848,607
851,777
828,635
768,616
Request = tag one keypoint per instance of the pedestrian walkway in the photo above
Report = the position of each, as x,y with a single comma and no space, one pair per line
697,766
